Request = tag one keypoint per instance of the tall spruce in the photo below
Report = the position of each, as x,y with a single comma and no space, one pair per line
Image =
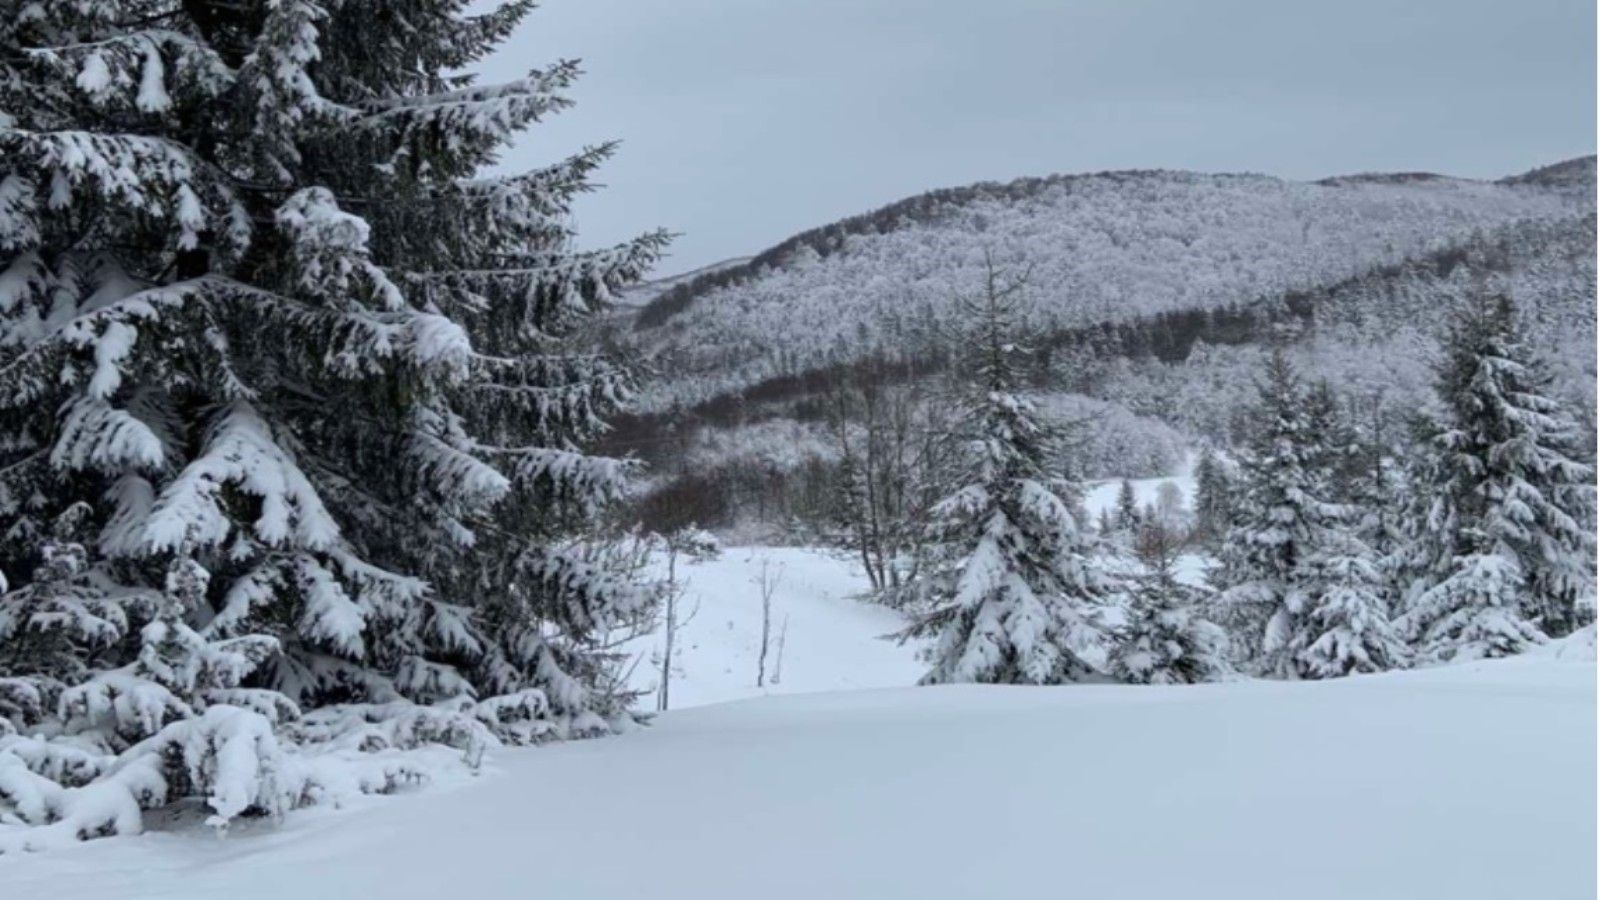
1213,499
291,407
1128,516
1302,593
1501,551
1258,576
1014,594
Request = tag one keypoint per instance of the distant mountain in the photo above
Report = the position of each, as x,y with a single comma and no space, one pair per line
1156,296
1099,249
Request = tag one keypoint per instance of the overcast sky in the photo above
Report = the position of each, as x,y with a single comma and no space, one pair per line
744,121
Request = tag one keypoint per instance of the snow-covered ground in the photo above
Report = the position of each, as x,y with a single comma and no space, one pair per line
1463,782
823,639
1102,494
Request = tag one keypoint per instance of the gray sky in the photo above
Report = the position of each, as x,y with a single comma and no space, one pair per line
744,121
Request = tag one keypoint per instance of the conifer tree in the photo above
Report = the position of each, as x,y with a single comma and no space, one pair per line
1015,596
1127,507
1166,639
1501,551
1345,623
1298,585
302,383
1213,502
1258,578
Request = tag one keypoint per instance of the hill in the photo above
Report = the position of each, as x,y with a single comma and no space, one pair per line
1100,248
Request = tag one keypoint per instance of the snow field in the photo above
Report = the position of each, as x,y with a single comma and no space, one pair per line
1464,782
830,640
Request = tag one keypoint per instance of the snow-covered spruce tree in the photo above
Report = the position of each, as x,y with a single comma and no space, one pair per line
1014,595
1272,525
1128,517
1344,622
1301,592
1501,551
1166,638
1213,499
299,390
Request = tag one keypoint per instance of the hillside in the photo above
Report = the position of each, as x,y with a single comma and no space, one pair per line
1155,296
1100,248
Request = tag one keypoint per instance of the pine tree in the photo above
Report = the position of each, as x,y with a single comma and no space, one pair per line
1501,551
1345,625
1372,480
1213,501
1015,596
1166,639
1297,583
1127,507
305,386
1273,527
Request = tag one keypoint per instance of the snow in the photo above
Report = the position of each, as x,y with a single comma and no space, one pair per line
1462,782
1101,495
833,641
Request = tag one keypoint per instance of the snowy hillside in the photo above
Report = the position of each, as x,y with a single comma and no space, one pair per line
1100,248
1464,782
1152,298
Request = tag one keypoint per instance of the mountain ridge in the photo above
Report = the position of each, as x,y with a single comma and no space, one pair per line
685,288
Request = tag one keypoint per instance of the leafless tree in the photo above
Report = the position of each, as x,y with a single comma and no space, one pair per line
690,543
767,582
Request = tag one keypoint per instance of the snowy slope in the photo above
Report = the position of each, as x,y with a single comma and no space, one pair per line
1104,247
830,640
1467,782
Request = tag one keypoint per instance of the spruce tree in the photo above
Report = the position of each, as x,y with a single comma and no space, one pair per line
1014,594
1127,507
1213,501
1299,587
1258,579
291,407
1345,623
1166,639
1501,551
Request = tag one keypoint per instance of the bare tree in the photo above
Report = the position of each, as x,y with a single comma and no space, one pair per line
695,544
767,582
1158,543
892,443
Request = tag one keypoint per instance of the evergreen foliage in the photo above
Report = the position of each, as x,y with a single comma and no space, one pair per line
1299,588
1213,498
291,407
1501,551
1166,638
1014,594
1127,507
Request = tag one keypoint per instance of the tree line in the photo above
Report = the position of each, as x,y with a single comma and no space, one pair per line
1340,546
